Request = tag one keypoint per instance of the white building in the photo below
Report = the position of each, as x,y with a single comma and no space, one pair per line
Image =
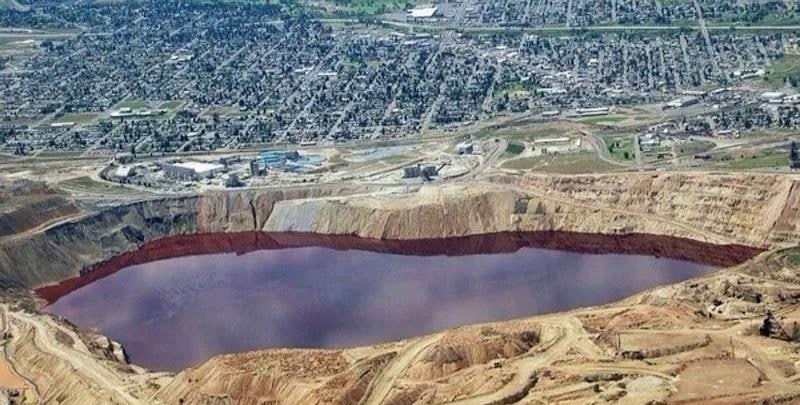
192,170
682,102
772,95
591,112
793,99
423,12
65,124
124,157
465,148
550,141
123,172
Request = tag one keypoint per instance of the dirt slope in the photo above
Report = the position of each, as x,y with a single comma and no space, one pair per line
694,342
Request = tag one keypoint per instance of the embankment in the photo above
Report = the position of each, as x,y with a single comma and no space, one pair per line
749,210
506,242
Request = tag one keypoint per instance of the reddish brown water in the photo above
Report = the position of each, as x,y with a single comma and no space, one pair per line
290,291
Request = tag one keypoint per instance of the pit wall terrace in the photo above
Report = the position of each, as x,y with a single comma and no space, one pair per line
741,209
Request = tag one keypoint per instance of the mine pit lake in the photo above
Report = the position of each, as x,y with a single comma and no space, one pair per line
178,302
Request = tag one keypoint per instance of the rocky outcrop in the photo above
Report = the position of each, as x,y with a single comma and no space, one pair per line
468,346
25,205
276,377
751,209
56,380
748,209
697,207
65,250
754,210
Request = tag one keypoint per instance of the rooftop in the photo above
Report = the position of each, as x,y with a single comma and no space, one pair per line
423,12
199,167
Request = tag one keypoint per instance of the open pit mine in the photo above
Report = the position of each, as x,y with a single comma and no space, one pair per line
633,289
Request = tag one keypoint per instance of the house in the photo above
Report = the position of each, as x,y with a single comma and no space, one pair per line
124,172
465,148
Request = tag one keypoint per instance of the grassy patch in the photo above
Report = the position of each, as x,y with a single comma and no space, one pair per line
783,69
133,104
526,131
223,112
621,147
568,163
514,148
657,153
76,118
602,119
514,88
63,338
368,7
171,105
793,256
761,160
693,147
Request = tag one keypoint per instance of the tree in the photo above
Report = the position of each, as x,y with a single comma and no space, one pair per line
766,327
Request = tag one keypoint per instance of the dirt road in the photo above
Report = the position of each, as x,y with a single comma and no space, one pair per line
77,357
386,379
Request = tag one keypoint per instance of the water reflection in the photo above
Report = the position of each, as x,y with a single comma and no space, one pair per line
180,311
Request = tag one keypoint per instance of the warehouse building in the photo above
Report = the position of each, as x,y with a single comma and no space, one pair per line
191,170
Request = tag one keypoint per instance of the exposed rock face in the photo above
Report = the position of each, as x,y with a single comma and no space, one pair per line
755,210
752,209
484,365
24,205
277,377
748,209
57,381
66,249
431,213
468,346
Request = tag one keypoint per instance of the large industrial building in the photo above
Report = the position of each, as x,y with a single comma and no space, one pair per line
423,12
191,171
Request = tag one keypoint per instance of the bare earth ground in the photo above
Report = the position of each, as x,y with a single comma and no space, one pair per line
696,342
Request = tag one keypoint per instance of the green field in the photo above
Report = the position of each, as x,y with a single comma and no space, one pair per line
621,147
568,163
133,104
782,69
76,118
763,160
693,147
514,88
529,131
222,112
171,105
793,256
602,119
365,7
514,149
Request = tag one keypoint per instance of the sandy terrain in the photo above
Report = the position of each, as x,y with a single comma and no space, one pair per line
707,340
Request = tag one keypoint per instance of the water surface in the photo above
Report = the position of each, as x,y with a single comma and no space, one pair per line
177,312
